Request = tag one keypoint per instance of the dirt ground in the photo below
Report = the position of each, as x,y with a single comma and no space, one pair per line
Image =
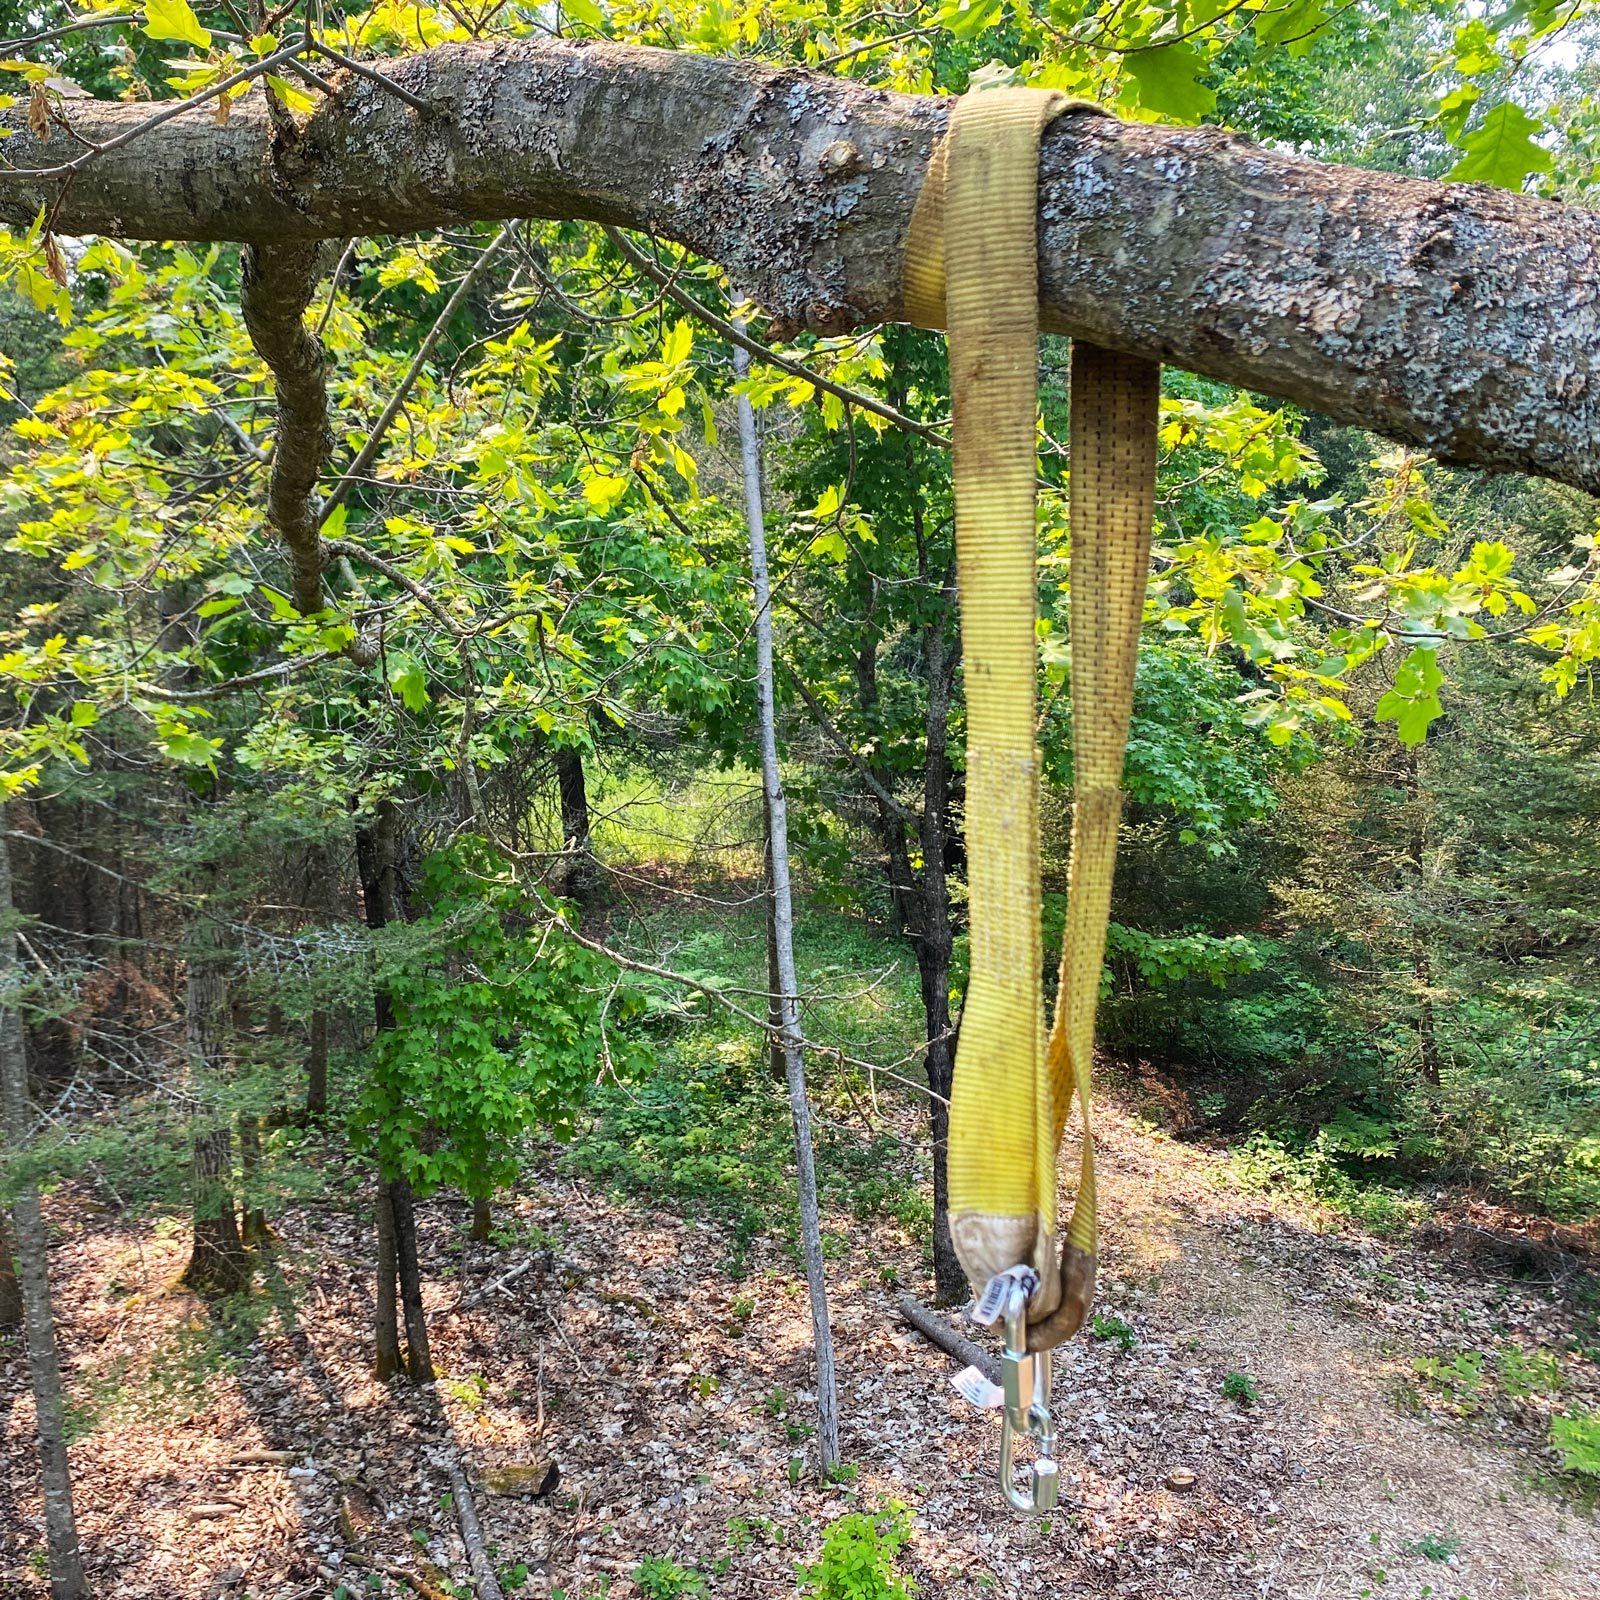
673,1398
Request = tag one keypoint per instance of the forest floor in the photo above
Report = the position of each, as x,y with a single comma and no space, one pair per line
673,1395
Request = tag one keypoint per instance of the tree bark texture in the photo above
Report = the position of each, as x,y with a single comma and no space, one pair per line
386,1362
253,1217
276,287
419,1359
580,882
10,1284
783,930
1457,317
33,1274
935,944
377,860
317,1065
217,1264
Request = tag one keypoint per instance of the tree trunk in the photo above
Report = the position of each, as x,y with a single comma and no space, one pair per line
10,1284
482,1219
891,827
933,952
317,1065
935,936
217,1262
580,882
377,850
777,1056
33,1271
254,1225
419,1360
783,921
1421,948
387,1326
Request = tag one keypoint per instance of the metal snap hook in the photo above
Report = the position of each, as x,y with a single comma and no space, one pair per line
1025,1380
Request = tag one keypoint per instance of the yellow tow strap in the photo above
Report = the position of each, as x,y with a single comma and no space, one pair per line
971,267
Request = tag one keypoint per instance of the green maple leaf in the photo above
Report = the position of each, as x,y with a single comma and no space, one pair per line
1167,82
1295,26
174,19
1413,703
1501,150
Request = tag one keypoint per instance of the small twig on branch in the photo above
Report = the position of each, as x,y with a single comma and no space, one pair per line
176,109
795,369
357,468
372,76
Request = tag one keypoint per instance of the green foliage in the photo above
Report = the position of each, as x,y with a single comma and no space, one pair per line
1577,1437
1105,1326
1523,1376
498,1028
1435,1546
859,1557
1314,1170
661,1578
1461,1378
1240,1388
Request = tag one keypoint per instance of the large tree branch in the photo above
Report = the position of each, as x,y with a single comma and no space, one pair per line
278,283
1456,317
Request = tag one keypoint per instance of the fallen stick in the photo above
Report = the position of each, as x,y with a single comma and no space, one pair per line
936,1328
480,1295
487,1584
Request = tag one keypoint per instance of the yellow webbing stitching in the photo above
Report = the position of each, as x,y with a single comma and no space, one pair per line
971,265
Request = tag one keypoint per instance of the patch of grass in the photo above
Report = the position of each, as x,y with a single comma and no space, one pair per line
1435,1546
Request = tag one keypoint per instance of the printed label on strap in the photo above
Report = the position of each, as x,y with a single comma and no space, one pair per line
998,1290
971,1385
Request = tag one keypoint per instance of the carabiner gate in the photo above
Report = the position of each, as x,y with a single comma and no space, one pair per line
1026,1381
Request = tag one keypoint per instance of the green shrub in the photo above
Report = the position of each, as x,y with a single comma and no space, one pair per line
1577,1437
1105,1326
1240,1387
661,1578
859,1557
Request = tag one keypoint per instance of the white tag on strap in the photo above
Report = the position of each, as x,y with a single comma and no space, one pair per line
996,1291
971,1385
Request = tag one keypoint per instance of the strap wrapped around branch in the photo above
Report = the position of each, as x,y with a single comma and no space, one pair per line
971,267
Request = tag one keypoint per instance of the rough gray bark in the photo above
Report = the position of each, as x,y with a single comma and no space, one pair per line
783,937
1457,317
483,1578
277,285
44,1368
